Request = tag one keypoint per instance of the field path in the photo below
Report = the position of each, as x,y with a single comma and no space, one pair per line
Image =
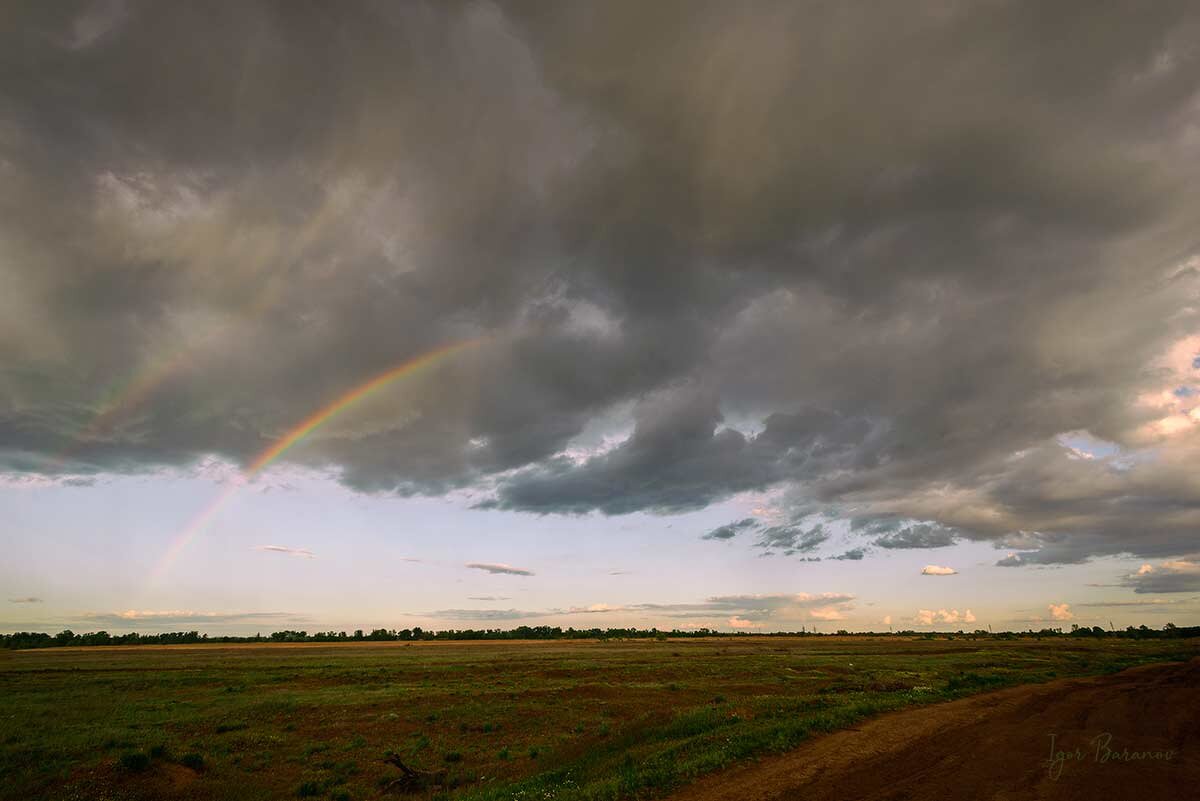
997,746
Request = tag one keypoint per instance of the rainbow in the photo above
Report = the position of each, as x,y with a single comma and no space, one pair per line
367,388
298,433
135,392
142,385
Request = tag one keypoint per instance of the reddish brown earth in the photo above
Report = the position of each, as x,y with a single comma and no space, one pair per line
998,746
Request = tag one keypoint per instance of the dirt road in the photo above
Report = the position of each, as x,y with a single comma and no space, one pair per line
1132,735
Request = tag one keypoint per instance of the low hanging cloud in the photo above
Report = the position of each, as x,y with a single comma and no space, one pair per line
938,570
184,617
928,617
778,609
741,623
499,568
304,553
783,606
1181,575
488,598
918,536
1149,605
788,539
486,614
730,530
27,600
792,539
1060,611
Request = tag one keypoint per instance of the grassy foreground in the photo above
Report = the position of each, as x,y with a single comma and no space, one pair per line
503,720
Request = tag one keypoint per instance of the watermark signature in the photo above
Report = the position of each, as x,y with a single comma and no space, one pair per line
1099,751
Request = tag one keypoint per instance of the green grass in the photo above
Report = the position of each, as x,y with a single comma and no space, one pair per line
501,720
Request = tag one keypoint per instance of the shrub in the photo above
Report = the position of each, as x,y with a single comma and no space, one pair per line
158,751
192,760
135,761
308,790
503,755
452,756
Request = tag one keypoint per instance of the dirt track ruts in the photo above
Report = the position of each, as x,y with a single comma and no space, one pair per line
997,746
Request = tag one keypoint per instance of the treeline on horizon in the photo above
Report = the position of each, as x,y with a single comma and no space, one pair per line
68,638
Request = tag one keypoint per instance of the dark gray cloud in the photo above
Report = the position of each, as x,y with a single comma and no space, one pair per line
730,530
679,458
792,539
852,555
685,237
1181,575
922,535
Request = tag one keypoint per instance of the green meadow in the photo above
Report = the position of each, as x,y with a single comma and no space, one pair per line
475,720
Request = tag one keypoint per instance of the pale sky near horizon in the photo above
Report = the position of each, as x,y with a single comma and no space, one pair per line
464,315
363,561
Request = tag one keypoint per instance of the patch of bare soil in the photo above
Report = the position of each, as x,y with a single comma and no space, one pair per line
1131,735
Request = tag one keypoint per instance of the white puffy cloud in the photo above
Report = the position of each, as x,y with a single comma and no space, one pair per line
1061,611
928,617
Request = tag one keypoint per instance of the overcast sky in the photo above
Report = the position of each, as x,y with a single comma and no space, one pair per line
743,315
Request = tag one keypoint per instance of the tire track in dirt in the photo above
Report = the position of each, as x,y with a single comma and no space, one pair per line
998,746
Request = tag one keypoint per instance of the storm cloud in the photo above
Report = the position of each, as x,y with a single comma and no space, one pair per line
894,262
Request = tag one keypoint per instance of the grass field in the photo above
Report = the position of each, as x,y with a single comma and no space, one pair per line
520,720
